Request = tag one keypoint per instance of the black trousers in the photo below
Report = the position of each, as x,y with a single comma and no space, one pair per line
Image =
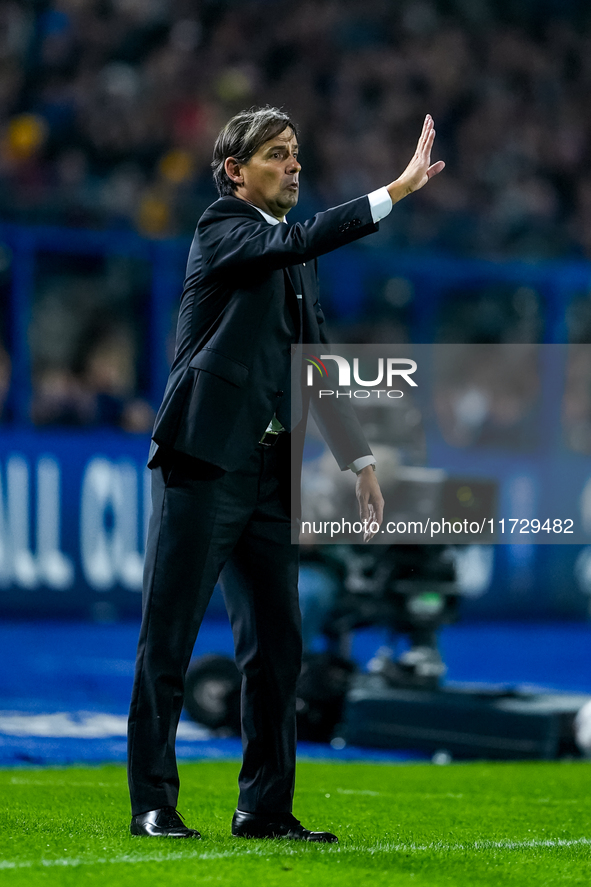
208,524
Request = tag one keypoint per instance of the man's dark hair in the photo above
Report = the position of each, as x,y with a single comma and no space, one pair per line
241,137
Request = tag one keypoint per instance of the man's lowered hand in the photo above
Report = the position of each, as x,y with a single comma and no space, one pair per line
371,501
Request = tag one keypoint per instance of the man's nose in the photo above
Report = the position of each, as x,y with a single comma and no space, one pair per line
294,164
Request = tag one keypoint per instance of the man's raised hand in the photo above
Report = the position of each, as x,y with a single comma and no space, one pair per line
420,169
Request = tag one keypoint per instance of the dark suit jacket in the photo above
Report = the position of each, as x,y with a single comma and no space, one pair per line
233,348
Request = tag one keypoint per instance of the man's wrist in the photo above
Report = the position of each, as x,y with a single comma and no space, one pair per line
397,191
363,462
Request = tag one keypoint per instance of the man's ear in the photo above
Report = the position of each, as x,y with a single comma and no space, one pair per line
233,171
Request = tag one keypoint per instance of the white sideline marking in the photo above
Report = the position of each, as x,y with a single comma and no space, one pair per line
262,849
506,844
74,783
81,725
114,860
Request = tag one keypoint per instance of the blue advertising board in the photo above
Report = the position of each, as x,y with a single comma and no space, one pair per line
73,516
74,508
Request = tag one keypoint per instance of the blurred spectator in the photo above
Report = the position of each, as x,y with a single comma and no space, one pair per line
108,110
86,336
22,163
487,395
5,371
109,378
99,389
576,401
60,399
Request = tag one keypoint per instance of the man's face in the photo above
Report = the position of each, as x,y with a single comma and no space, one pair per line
270,179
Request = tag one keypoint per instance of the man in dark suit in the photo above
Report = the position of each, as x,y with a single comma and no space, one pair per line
221,468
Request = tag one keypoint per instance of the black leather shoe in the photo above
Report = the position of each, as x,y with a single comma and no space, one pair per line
261,825
162,823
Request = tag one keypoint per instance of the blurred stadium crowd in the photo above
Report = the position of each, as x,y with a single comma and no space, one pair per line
108,110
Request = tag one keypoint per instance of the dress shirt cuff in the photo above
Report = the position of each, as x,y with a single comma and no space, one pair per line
380,204
360,463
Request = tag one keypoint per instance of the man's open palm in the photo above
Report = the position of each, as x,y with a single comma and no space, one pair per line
420,169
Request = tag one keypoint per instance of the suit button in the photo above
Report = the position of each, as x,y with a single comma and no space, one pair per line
279,393
355,223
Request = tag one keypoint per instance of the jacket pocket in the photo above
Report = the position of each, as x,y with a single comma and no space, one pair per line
219,365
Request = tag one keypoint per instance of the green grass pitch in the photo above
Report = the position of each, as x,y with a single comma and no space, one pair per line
417,824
